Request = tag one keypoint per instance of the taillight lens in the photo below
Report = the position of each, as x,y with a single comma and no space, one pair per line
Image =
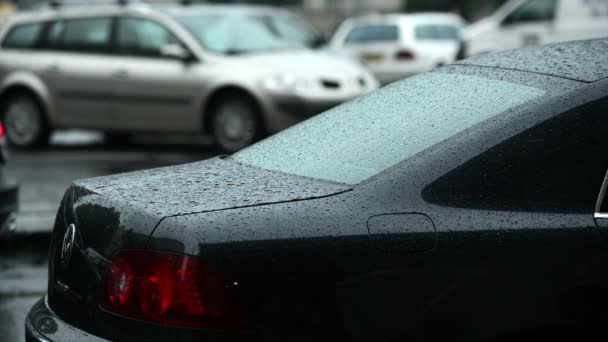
404,55
1,130
170,289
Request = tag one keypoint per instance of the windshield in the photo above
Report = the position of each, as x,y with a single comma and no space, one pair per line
236,34
362,138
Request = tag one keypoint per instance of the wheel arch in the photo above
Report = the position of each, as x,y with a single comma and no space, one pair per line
25,83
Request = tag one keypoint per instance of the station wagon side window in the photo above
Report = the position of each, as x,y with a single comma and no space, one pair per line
372,33
24,36
143,37
80,35
532,11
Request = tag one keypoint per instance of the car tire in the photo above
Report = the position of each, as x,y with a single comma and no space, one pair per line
25,123
235,123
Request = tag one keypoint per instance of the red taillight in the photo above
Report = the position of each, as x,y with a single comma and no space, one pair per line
170,289
404,55
1,130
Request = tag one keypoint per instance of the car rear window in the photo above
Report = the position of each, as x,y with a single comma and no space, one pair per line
360,139
23,36
372,33
437,32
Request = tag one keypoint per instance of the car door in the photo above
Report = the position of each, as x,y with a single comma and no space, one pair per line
155,92
516,233
532,23
601,206
77,67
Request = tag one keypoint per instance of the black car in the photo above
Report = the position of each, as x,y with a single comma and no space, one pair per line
8,193
464,204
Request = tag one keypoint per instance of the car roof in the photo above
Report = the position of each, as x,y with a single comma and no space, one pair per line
583,61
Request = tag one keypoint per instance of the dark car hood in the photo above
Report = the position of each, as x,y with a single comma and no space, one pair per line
215,184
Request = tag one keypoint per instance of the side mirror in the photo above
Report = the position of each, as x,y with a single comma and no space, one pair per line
175,51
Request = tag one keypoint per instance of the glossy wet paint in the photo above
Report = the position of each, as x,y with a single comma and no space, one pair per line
410,254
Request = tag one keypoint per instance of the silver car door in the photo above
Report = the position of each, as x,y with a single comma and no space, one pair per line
157,87
78,68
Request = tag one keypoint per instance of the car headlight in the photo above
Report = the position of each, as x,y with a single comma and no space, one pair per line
287,83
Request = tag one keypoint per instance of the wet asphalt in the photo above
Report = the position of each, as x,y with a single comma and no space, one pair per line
43,176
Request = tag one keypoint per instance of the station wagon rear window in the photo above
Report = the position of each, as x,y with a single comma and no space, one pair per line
436,32
373,33
362,138
23,36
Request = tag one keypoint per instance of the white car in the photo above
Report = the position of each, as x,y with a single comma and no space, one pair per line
520,23
395,46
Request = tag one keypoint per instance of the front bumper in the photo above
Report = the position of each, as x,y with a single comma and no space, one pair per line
42,325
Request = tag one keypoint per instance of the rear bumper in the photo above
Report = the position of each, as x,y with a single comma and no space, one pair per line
42,325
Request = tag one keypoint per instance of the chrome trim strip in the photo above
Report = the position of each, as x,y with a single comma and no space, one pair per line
600,199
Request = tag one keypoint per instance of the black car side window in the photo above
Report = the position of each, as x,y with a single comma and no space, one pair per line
552,167
23,36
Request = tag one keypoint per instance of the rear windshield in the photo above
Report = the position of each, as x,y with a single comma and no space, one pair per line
373,33
360,139
437,32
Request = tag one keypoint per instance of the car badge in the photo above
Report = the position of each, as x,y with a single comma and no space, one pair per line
68,245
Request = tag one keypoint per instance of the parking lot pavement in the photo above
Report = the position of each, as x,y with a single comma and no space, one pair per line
43,176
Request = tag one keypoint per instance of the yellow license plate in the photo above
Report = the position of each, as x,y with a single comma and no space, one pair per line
372,57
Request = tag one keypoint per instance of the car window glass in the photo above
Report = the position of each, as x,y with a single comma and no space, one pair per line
532,11
555,166
237,34
54,34
372,33
143,37
91,34
293,29
359,139
23,36
436,32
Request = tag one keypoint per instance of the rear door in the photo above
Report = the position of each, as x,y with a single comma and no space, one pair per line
77,67
155,92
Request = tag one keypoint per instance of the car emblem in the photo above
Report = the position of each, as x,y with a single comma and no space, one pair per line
68,245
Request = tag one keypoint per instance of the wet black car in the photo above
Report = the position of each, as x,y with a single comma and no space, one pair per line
462,204
8,193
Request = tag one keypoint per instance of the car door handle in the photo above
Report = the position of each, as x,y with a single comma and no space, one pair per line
120,74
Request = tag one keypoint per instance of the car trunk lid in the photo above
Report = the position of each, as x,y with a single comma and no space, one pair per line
121,212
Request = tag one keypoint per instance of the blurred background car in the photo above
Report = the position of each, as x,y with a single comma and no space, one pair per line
520,23
8,192
395,46
237,72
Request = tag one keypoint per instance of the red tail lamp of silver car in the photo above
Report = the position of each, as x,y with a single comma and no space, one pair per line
170,289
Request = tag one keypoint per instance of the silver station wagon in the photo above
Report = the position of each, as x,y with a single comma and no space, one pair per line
237,72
